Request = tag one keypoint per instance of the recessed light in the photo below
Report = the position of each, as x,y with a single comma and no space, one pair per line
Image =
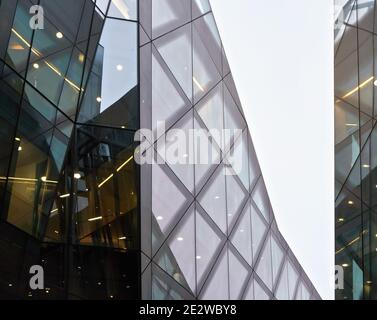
340,220
95,219
44,179
350,202
369,282
19,148
17,139
198,257
375,83
65,195
366,166
81,57
122,238
59,35
180,239
10,285
36,66
123,127
77,176
159,218
56,231
345,265
242,230
99,99
119,67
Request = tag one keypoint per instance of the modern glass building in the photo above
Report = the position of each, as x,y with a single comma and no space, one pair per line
355,149
78,79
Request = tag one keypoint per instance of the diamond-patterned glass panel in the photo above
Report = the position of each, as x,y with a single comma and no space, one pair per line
241,236
213,199
180,64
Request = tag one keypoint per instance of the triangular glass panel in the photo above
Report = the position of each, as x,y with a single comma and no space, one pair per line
213,199
207,30
207,245
207,154
211,111
179,64
241,236
169,201
177,151
176,257
206,74
168,100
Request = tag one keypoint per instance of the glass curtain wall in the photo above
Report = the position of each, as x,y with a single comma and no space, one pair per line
356,149
68,182
207,232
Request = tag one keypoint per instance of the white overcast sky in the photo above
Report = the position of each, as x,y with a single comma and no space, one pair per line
281,56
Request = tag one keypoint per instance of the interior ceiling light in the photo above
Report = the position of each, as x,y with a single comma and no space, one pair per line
52,67
95,219
358,87
59,35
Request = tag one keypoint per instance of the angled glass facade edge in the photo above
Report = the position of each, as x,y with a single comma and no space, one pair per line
355,150
72,198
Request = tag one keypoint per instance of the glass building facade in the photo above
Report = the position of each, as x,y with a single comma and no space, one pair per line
356,149
73,94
